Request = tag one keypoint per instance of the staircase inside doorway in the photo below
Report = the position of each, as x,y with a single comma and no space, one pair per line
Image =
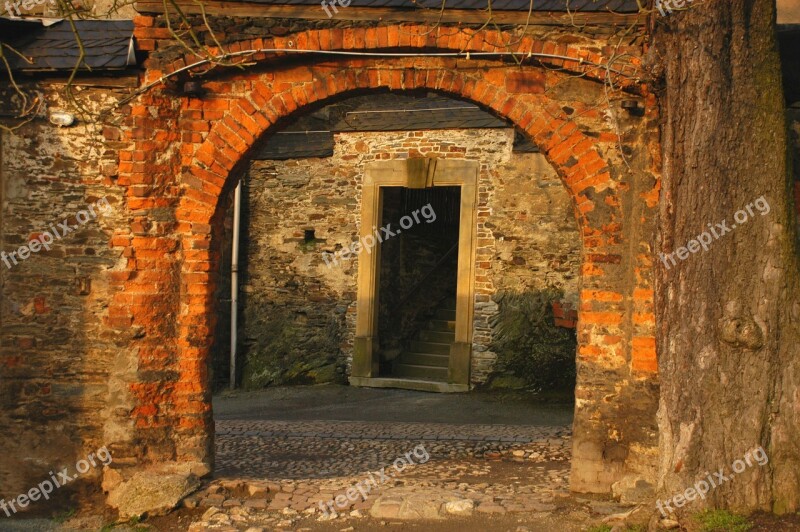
418,280
428,356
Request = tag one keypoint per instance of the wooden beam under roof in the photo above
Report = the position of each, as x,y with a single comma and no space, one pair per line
390,14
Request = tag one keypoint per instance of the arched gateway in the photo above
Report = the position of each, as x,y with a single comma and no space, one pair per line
186,151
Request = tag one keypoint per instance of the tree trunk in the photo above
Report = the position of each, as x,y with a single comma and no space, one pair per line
729,316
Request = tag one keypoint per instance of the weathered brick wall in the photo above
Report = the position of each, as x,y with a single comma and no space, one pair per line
62,369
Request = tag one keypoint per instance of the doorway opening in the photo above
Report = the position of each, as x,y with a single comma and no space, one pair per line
418,282
404,315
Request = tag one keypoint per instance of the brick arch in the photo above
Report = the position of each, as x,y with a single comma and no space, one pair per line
572,153
616,65
266,99
209,137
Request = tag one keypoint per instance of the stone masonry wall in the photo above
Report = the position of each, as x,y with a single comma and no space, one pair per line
533,242
288,289
61,367
529,239
537,225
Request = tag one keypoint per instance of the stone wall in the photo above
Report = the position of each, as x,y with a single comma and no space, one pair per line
534,244
61,366
289,291
528,240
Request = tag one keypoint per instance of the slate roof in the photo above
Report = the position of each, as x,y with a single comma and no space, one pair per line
108,45
312,136
620,6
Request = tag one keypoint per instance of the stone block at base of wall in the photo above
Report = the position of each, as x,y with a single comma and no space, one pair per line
152,492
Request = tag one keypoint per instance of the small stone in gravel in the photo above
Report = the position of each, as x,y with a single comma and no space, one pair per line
462,507
491,509
210,513
256,503
191,502
255,490
231,484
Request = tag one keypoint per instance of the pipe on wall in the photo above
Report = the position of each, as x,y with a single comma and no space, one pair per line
237,209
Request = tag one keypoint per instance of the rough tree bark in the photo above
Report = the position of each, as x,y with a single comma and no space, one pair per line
729,316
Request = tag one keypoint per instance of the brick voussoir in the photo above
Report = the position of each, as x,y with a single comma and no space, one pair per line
235,122
228,135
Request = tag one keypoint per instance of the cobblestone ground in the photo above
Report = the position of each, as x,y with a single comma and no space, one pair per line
279,475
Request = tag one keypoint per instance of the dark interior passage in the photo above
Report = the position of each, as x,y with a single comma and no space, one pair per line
419,267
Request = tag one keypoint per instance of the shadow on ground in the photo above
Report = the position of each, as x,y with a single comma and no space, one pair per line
346,403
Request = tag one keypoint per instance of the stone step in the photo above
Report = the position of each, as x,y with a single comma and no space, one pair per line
437,336
445,314
415,371
441,325
409,384
424,359
436,348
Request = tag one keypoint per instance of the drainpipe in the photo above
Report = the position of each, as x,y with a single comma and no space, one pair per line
237,209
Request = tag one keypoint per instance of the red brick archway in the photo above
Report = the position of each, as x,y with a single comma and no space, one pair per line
185,152
247,117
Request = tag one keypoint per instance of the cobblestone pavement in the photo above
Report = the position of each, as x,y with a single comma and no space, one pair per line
324,449
278,475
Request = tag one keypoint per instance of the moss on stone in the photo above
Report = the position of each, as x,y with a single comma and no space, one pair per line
529,345
288,353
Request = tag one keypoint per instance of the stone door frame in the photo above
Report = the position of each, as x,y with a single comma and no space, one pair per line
416,173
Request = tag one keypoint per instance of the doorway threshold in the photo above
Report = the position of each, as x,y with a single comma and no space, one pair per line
408,384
